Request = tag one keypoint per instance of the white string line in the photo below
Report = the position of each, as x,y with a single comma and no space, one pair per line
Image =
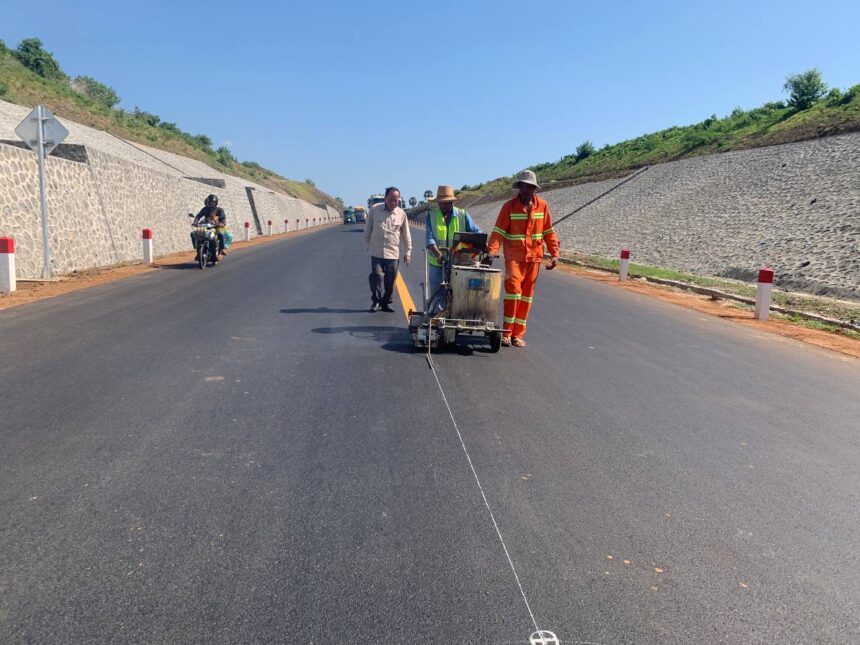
478,481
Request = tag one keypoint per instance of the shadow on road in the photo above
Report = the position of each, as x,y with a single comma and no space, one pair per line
393,339
182,265
353,230
464,347
323,310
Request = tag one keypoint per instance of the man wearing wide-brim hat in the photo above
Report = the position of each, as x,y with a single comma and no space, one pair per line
522,228
441,224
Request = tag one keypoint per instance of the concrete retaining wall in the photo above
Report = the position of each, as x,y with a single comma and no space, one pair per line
794,207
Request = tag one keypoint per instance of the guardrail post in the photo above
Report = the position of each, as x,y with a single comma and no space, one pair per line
147,246
247,231
762,296
286,225
622,269
270,228
7,265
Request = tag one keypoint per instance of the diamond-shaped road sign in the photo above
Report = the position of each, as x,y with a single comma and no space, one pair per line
28,130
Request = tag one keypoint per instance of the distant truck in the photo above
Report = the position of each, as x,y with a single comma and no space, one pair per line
360,214
378,199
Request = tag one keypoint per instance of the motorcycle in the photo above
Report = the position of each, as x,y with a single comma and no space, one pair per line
204,236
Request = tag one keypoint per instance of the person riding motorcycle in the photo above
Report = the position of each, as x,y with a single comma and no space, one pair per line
212,213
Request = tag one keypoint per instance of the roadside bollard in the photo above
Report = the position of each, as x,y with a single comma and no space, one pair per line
762,296
270,228
7,265
147,246
247,231
622,269
286,225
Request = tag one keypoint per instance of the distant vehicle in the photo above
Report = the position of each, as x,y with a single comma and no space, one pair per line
375,199
349,216
360,214
378,199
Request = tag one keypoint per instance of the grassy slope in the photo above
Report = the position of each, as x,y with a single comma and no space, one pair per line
770,124
20,85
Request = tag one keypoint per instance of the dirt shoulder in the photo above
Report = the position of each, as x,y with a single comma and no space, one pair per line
32,291
723,309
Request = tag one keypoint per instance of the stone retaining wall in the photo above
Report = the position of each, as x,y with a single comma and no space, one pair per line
794,207
98,207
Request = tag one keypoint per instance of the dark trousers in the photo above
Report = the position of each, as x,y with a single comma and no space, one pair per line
383,273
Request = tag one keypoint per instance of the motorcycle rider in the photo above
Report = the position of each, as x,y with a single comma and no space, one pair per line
216,215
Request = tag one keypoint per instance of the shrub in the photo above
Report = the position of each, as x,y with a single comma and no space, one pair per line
170,127
850,94
31,55
98,92
804,89
202,141
225,157
146,117
3,89
310,182
250,164
834,97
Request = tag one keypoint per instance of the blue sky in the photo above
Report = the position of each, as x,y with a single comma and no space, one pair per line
362,95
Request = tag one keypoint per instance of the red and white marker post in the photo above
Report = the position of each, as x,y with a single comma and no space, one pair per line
762,296
148,253
286,225
247,231
270,228
622,268
7,265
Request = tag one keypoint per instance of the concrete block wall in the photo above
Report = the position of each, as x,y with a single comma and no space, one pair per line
793,207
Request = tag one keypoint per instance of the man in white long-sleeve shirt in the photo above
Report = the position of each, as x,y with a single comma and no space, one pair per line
386,229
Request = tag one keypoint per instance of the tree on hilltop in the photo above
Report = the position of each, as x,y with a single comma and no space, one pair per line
31,55
584,149
804,89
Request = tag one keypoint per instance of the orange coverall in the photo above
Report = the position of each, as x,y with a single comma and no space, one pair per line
523,230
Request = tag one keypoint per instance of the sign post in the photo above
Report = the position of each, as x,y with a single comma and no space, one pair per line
42,132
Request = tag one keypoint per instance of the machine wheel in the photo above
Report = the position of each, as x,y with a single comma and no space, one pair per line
202,255
495,341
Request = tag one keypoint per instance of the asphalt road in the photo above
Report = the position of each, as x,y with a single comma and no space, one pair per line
246,454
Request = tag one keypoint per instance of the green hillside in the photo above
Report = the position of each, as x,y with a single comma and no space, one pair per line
831,112
90,103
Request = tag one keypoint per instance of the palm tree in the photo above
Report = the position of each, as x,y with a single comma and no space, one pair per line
427,195
412,202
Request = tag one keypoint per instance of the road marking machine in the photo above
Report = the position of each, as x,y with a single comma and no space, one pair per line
467,301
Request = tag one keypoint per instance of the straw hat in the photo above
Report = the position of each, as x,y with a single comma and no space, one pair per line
444,194
526,177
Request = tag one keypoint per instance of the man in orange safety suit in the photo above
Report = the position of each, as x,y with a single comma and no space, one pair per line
523,226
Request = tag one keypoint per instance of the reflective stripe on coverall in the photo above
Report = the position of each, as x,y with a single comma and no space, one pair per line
523,232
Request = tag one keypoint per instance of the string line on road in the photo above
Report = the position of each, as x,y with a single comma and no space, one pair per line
480,487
